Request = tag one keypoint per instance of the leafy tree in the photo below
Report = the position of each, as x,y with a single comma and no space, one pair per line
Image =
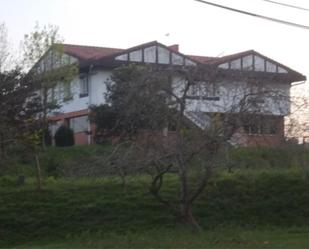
18,103
37,43
127,112
105,117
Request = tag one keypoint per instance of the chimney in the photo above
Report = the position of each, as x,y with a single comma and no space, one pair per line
174,47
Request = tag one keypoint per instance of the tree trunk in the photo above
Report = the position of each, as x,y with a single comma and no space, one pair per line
1,145
186,204
188,218
38,171
44,118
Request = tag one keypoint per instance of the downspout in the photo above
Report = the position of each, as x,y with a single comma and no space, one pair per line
90,101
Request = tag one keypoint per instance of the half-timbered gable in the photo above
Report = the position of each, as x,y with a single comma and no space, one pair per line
155,53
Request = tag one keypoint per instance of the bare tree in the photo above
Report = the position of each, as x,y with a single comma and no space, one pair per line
45,61
162,111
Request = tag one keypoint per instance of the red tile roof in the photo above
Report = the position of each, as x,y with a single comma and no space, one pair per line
217,60
203,59
232,56
89,52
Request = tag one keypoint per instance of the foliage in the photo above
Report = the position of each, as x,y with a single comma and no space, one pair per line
19,104
76,161
42,59
136,101
105,118
64,136
282,157
37,42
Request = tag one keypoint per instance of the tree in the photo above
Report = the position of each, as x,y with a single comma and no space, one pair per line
37,43
4,48
105,117
157,99
43,56
64,136
19,103
137,103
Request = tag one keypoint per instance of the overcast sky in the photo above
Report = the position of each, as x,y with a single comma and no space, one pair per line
199,29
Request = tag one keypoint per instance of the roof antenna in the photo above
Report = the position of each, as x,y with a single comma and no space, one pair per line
167,37
221,54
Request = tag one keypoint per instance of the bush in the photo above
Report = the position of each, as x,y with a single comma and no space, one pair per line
283,157
64,137
8,181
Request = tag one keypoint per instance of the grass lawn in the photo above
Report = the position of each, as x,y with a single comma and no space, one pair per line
236,211
222,238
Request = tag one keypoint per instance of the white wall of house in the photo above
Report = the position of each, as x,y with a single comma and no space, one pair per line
74,104
275,97
97,87
96,90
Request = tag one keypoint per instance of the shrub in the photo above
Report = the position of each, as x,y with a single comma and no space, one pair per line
282,157
64,137
8,181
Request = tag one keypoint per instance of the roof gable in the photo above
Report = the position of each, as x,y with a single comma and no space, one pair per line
155,52
251,61
53,58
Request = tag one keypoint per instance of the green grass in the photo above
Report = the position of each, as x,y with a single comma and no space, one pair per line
181,238
236,209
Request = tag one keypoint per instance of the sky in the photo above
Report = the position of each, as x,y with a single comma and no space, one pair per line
199,29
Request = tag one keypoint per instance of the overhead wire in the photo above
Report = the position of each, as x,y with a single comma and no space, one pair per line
255,15
286,5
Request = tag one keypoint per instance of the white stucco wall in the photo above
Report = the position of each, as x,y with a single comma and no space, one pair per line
274,96
230,93
76,103
97,88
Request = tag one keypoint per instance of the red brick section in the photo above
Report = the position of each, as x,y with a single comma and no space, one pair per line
174,47
268,140
81,138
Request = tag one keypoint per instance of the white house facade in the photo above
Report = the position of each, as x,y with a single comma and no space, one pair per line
235,76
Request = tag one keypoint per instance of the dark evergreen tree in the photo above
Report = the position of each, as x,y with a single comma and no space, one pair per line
64,136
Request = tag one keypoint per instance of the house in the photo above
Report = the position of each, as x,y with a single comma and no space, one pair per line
247,71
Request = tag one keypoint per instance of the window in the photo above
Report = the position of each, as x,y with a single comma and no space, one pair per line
261,126
79,124
84,86
67,93
203,90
